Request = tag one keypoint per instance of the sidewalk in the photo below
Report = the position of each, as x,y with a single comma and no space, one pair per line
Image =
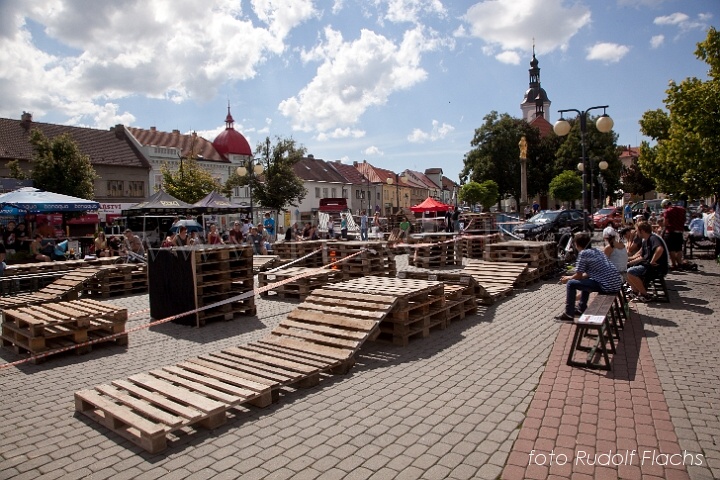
453,405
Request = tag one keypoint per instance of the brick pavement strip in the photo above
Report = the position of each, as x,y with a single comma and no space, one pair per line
447,406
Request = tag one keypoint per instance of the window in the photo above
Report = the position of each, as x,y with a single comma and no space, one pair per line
333,193
344,193
317,192
325,193
359,194
115,188
158,181
136,188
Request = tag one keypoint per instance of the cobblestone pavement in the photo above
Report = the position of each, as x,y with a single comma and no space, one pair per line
447,406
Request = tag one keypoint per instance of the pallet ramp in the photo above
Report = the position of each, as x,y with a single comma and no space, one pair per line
67,287
322,335
498,278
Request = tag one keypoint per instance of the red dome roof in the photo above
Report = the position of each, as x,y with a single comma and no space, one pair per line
231,141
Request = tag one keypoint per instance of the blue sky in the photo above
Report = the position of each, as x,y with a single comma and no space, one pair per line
399,83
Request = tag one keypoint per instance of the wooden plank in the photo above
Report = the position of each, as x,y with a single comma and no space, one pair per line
200,402
214,368
141,406
198,387
293,368
303,346
252,368
282,331
357,303
324,330
122,413
190,413
299,357
377,315
339,293
333,320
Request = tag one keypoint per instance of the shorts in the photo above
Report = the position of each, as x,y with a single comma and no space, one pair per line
674,241
644,272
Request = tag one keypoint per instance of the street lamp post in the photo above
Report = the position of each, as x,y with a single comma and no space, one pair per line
251,169
602,165
398,179
562,127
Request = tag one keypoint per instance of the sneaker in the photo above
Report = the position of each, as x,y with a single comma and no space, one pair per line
578,311
564,317
643,298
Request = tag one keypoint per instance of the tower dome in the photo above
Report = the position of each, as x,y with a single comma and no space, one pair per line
231,142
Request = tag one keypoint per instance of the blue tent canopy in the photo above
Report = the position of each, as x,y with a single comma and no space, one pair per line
32,200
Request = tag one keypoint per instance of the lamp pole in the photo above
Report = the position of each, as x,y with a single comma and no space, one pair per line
562,127
251,169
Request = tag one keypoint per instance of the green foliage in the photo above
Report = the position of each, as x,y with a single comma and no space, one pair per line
685,159
496,155
485,193
16,171
567,186
277,187
60,167
635,182
190,183
598,147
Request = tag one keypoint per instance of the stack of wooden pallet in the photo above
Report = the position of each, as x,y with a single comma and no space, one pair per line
122,279
295,250
496,278
479,223
40,328
375,258
265,262
540,257
435,250
308,280
188,278
420,306
473,246
462,292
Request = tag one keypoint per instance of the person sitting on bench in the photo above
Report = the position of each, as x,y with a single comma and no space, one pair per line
593,273
649,263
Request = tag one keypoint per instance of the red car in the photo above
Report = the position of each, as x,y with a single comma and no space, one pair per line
612,216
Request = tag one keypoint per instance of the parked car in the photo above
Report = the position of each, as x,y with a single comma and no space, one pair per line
612,216
552,225
639,207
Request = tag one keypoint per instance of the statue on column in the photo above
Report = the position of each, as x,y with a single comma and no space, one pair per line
523,147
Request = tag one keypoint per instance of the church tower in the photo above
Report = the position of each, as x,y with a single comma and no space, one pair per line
536,102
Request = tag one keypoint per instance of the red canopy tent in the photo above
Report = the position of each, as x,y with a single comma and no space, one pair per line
431,205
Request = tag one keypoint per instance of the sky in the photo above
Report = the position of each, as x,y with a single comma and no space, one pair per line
402,84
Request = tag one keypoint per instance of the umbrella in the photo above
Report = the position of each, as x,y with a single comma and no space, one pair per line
32,200
216,203
431,205
160,203
191,225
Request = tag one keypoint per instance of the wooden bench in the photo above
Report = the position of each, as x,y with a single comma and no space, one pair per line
694,243
659,289
603,317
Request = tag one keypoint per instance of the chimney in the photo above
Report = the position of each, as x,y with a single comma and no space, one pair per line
176,131
26,120
153,129
355,164
310,155
119,131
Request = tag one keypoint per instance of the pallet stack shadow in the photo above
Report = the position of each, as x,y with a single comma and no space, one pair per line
187,278
41,328
540,257
436,251
375,258
124,279
473,246
419,310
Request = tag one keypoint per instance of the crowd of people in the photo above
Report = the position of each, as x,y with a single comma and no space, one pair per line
633,256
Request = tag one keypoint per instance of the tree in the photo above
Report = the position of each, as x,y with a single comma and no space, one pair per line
485,193
16,171
190,183
60,167
278,187
495,155
685,159
567,186
598,147
635,182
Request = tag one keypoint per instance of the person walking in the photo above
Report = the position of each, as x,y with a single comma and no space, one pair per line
364,226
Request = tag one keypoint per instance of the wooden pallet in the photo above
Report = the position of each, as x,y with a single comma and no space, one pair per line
497,278
262,263
473,246
309,279
40,328
534,254
374,258
67,287
321,336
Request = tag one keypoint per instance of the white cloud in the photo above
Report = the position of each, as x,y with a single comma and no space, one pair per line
341,133
373,151
134,49
683,21
508,56
355,76
607,52
437,132
657,40
511,25
399,11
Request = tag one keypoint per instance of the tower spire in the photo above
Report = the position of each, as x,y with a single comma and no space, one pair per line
229,120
